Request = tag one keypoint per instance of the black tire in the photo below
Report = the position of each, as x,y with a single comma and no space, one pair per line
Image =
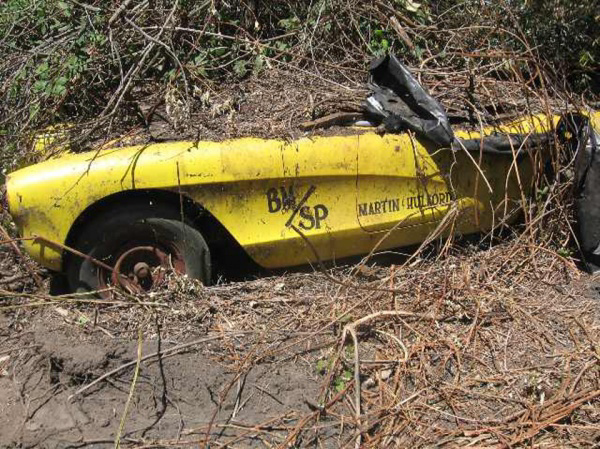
110,235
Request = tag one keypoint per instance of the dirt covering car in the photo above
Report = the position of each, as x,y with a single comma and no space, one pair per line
124,216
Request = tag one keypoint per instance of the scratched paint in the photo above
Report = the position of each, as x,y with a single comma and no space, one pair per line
232,180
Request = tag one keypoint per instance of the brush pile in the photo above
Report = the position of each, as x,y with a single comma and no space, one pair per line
486,344
215,69
493,348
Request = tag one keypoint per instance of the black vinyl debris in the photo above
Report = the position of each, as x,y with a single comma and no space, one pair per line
587,191
504,143
399,103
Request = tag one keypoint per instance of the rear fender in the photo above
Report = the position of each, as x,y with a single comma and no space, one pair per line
586,143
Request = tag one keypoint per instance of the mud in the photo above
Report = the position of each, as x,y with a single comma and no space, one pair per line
50,361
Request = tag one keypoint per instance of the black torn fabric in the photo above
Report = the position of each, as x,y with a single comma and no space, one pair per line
587,188
399,103
504,143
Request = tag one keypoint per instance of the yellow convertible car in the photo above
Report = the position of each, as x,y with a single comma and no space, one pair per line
144,206
121,216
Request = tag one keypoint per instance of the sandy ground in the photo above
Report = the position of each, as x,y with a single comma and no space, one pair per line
175,395
477,348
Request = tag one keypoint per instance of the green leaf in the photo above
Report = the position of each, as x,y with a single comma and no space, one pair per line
219,51
58,90
259,64
290,24
42,69
65,8
585,58
201,71
321,366
419,52
171,74
40,86
240,68
280,45
34,109
72,62
199,59
339,385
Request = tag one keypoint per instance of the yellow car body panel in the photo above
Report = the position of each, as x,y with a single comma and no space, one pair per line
343,193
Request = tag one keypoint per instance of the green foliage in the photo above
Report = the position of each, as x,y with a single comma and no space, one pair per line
323,365
564,32
379,45
564,35
542,194
340,382
240,68
564,252
64,62
56,44
290,23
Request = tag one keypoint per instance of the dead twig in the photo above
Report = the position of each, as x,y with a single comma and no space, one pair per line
131,390
164,353
37,279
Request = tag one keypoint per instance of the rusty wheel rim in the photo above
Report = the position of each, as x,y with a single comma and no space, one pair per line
142,268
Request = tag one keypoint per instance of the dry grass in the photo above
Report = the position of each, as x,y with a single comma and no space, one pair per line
479,347
462,346
474,58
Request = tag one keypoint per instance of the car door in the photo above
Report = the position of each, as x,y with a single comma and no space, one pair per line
399,187
285,202
314,202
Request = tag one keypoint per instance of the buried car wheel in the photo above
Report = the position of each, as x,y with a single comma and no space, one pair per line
133,248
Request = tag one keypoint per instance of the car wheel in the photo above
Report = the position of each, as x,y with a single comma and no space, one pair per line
137,246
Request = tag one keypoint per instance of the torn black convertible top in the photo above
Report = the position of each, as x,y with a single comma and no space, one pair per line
398,103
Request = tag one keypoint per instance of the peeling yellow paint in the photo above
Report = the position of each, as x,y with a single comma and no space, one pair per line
342,192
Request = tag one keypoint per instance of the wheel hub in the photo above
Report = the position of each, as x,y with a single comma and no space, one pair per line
142,268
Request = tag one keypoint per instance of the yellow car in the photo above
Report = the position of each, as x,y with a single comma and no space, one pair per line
121,216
